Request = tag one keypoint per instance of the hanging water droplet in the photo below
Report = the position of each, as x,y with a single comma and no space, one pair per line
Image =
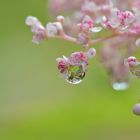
75,74
120,85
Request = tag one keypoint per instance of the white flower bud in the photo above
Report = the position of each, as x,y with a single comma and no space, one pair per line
30,20
60,19
51,29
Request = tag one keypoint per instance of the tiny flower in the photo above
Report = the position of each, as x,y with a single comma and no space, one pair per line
125,17
37,28
30,20
132,61
53,29
34,23
62,64
86,24
78,58
60,19
38,36
82,39
134,66
91,53
120,20
86,28
106,23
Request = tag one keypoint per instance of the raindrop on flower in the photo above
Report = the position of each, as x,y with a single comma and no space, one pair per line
120,86
75,74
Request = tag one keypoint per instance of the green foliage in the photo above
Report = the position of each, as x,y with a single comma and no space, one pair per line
36,104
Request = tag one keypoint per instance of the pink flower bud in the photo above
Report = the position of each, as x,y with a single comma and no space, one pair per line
132,61
62,65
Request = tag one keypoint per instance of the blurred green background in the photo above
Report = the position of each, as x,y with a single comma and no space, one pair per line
36,104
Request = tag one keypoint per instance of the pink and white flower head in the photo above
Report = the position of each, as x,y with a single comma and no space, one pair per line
62,64
37,28
119,20
74,67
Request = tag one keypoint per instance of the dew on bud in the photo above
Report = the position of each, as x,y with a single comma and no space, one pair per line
75,74
136,109
120,86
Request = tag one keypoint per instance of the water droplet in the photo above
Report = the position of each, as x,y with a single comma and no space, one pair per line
75,75
120,85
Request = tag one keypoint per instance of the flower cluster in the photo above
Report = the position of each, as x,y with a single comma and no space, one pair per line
119,23
86,28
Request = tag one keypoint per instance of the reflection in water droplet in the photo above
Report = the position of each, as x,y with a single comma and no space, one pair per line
120,85
75,75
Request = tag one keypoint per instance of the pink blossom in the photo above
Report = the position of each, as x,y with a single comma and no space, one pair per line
125,17
119,20
62,64
86,24
40,35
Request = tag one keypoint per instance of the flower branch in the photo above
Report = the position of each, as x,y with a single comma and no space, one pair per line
89,18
